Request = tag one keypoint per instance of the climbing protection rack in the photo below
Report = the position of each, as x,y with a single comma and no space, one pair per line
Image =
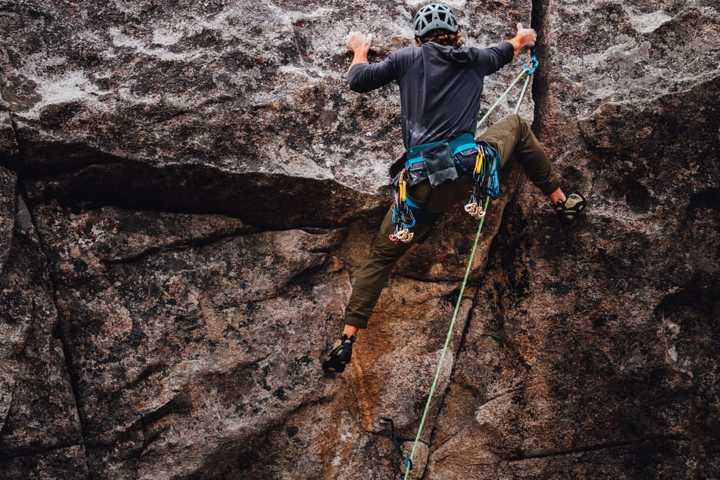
402,215
527,72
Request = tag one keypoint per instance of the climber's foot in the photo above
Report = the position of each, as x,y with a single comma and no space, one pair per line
336,360
571,208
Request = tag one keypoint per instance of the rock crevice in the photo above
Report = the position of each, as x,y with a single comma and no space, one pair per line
57,330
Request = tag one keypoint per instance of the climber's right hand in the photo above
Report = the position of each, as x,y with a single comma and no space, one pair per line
525,37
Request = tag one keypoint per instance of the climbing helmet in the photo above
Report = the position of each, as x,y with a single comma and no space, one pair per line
433,17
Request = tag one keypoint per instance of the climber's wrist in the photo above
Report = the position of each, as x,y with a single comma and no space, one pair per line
359,57
517,45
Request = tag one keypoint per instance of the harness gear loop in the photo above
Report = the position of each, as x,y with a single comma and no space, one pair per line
402,215
473,207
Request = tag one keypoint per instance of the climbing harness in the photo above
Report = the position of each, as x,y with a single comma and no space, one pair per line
435,162
477,212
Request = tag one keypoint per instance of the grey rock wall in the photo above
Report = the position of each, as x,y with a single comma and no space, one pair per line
188,187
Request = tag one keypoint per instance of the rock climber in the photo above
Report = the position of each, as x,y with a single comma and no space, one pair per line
441,83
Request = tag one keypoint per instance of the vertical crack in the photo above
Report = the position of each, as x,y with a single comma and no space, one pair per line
441,403
540,80
59,329
10,239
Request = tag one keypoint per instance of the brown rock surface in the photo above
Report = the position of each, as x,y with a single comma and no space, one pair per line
201,186
594,354
42,435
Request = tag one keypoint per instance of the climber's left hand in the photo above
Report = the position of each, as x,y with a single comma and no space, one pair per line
359,43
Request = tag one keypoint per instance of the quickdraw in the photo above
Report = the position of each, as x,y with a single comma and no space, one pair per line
486,180
533,64
402,214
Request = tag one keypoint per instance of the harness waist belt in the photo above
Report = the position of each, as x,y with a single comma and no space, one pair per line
465,141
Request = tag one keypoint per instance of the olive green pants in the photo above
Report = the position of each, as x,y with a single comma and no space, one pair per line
512,138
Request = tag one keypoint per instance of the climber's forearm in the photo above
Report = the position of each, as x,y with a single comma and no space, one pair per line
359,44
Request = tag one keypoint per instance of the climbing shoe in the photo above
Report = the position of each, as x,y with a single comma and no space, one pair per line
339,356
571,208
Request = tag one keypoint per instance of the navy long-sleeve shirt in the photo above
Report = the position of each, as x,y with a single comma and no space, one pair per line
440,86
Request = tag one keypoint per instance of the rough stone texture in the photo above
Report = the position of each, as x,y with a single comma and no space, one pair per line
8,142
8,180
594,354
203,185
177,326
58,463
40,432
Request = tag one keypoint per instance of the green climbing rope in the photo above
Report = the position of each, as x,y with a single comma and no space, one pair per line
528,71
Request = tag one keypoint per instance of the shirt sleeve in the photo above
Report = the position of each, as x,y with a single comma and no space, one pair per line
494,58
364,77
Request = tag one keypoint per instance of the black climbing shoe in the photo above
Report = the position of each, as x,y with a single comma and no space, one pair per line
571,208
339,356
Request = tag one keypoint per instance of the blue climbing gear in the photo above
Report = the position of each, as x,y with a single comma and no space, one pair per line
402,211
434,162
486,180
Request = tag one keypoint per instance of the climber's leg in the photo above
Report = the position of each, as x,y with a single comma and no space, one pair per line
384,253
513,137
371,278
373,275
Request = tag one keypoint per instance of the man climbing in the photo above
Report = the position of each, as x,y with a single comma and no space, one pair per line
441,84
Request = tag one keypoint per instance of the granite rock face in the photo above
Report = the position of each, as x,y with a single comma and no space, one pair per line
187,189
41,430
594,354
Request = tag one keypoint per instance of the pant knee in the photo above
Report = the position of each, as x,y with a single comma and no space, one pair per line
522,124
